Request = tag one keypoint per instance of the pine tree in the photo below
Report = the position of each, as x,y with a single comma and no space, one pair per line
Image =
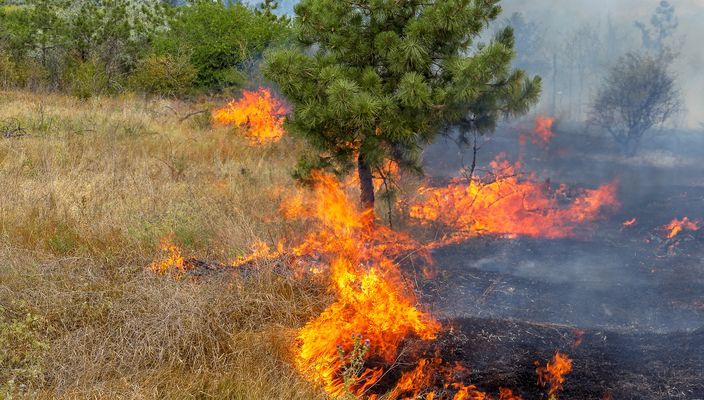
373,80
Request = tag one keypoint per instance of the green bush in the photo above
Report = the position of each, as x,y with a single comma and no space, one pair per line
87,79
90,47
166,75
224,42
8,71
32,75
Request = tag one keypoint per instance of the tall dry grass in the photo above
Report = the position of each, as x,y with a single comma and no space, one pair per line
86,196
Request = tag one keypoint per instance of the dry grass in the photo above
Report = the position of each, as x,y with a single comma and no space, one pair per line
87,194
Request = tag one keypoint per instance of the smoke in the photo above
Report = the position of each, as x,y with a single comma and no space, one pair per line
561,20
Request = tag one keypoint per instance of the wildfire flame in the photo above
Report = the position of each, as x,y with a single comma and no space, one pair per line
259,114
348,347
373,300
630,222
676,226
388,174
553,374
260,251
543,129
505,204
172,263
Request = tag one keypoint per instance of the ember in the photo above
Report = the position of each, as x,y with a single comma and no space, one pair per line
630,222
259,114
676,226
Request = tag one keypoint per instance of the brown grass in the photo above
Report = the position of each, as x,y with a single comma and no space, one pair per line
87,194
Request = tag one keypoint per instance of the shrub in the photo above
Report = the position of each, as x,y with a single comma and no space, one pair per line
8,71
224,42
87,79
166,75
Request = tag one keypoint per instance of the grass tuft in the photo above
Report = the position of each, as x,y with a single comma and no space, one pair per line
94,186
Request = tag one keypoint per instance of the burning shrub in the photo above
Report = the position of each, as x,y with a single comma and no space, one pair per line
502,203
259,114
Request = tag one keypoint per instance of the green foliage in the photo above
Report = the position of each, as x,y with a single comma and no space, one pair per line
8,71
22,348
87,78
93,47
166,75
382,79
223,42
60,35
353,363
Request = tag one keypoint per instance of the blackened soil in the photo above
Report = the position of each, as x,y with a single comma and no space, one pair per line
634,298
624,365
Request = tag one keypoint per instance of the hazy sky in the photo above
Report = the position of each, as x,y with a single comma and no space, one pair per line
563,15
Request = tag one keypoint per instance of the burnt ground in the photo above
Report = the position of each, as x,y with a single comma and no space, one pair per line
626,366
637,296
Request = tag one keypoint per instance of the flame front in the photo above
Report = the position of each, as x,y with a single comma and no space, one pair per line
259,114
505,204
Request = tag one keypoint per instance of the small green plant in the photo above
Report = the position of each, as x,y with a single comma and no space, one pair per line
22,348
353,363
64,241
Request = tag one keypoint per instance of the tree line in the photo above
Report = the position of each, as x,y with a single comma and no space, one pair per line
98,47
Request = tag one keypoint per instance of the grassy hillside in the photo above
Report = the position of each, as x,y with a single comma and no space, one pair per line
89,189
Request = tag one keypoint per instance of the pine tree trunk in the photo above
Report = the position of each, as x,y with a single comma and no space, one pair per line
366,185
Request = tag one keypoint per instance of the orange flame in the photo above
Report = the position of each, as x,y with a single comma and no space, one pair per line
553,374
507,394
676,226
630,222
260,252
373,300
415,381
374,304
259,113
508,205
172,263
543,129
387,174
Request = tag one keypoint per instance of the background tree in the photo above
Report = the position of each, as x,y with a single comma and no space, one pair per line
224,43
531,52
662,27
376,80
638,94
